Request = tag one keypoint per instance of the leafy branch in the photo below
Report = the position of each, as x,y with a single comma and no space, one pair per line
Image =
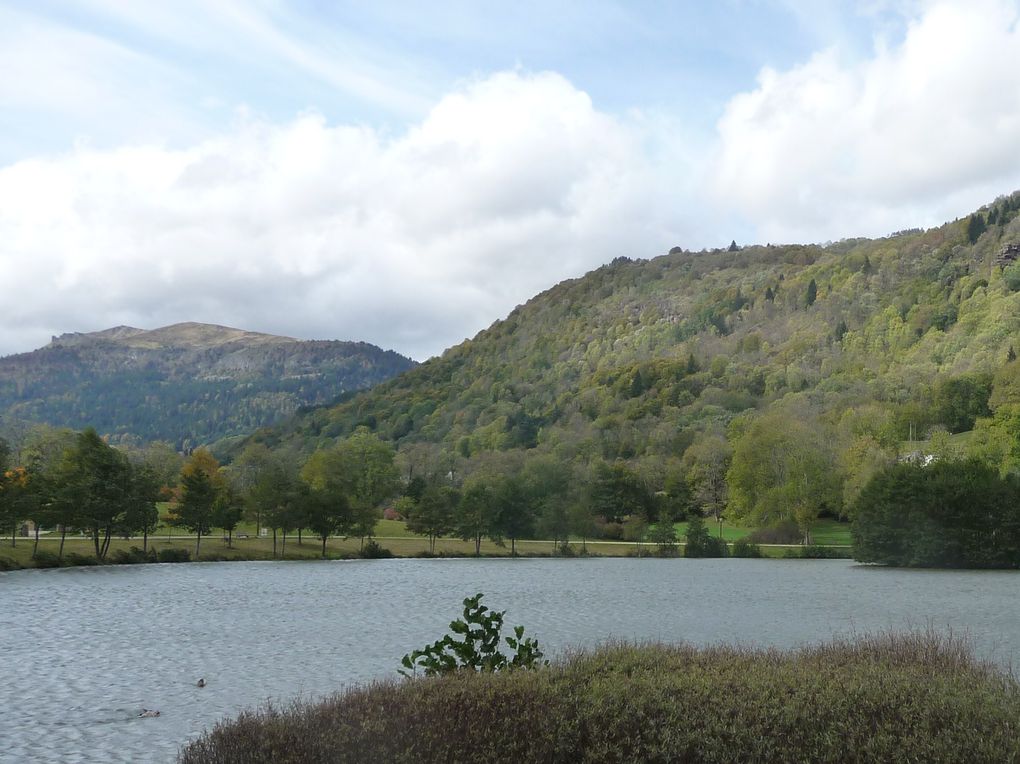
474,644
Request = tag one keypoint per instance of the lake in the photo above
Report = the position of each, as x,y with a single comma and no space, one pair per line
84,650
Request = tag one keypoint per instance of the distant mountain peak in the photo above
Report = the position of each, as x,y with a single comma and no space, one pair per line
190,334
186,383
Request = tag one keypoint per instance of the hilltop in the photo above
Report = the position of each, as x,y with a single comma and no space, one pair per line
640,360
188,383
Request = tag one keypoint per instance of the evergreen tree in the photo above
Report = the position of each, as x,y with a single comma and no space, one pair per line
975,227
812,293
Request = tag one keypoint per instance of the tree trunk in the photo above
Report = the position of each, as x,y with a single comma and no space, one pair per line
230,538
299,537
283,549
145,539
274,543
478,546
198,542
324,547
108,533
14,534
513,547
36,547
63,535
95,541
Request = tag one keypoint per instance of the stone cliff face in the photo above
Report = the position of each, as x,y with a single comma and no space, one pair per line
187,383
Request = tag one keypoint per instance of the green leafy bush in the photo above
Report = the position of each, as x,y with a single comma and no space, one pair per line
744,548
173,555
785,532
80,560
134,556
6,563
44,559
700,543
474,644
812,552
373,550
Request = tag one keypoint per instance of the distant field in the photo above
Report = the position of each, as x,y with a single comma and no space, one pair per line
960,441
391,534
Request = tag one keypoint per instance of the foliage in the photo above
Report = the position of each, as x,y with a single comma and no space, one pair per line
663,535
814,552
643,379
474,643
373,550
783,532
433,514
879,699
202,487
173,555
745,548
782,470
958,514
181,386
700,543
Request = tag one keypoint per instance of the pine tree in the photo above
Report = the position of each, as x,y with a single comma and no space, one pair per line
812,293
975,227
733,246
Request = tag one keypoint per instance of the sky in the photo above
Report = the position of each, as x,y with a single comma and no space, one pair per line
406,173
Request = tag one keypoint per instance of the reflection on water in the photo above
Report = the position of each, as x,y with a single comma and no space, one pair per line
85,650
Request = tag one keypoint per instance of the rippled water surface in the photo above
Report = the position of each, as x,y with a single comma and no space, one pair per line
85,650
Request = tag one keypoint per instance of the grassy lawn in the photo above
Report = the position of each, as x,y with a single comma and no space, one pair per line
960,441
391,534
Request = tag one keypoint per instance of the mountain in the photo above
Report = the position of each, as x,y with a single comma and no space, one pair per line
640,359
187,383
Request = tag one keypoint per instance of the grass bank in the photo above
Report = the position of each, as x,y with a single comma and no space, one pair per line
918,697
79,551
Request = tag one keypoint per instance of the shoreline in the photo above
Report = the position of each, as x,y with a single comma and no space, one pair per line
79,552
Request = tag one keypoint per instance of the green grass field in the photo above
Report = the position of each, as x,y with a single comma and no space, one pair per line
391,534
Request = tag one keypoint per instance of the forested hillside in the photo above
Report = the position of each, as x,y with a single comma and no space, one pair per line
736,369
186,384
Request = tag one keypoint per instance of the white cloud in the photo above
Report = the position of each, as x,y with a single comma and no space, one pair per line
412,242
918,132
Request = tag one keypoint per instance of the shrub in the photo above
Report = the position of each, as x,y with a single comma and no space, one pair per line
478,646
132,557
785,532
906,698
700,543
566,550
610,531
80,560
811,552
44,559
173,555
373,550
6,563
744,548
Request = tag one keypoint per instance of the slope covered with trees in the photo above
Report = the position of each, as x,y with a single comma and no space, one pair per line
186,384
769,382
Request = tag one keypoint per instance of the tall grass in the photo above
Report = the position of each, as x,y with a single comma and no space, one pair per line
915,697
